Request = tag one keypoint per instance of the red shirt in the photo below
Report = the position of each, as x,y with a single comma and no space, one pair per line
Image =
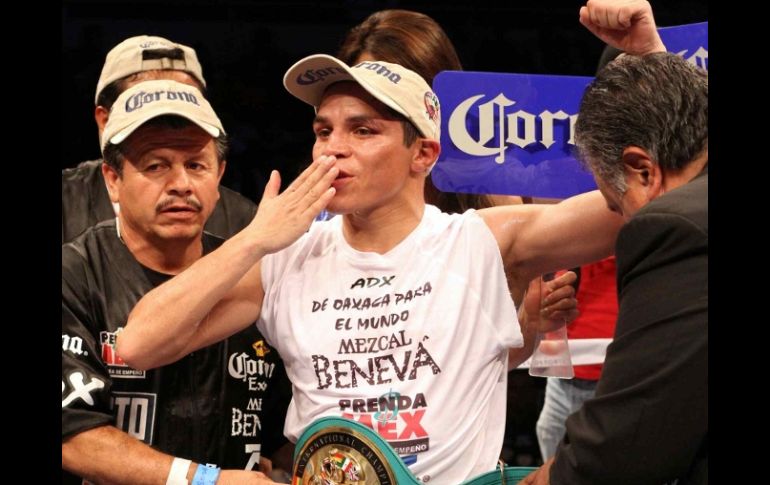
597,298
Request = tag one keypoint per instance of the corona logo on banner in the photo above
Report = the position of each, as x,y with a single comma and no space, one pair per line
510,134
514,133
517,128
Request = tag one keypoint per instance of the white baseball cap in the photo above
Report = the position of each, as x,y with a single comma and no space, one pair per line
147,53
150,99
397,87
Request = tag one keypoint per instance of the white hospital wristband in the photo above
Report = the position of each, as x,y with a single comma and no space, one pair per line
178,473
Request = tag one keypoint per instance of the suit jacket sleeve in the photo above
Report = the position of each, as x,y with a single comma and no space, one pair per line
649,417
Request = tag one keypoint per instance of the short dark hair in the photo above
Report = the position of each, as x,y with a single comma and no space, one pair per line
115,158
657,102
411,133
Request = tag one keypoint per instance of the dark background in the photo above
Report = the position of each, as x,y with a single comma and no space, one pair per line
246,46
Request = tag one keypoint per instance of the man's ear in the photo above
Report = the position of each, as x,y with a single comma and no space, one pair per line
101,115
112,180
426,155
642,171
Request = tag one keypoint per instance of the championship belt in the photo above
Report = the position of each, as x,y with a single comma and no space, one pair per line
338,451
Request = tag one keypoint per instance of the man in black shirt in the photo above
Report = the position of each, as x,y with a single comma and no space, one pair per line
164,153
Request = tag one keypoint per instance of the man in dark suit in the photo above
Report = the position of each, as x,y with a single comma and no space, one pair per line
643,131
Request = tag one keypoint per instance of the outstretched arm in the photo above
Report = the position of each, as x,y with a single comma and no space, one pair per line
626,24
540,238
222,293
108,455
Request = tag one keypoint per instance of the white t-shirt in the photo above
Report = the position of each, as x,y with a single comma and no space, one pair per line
412,343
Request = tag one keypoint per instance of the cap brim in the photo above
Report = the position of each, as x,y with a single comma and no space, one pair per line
301,80
118,137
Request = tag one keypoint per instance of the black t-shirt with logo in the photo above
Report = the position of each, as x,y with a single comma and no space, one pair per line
223,404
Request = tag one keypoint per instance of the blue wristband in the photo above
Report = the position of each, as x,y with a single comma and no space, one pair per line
206,475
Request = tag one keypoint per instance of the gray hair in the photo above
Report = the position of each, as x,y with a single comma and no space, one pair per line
657,102
114,156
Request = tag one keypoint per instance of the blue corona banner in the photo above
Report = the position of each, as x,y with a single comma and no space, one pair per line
689,41
514,133
509,134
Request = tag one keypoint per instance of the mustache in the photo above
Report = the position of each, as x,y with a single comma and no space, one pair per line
190,200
